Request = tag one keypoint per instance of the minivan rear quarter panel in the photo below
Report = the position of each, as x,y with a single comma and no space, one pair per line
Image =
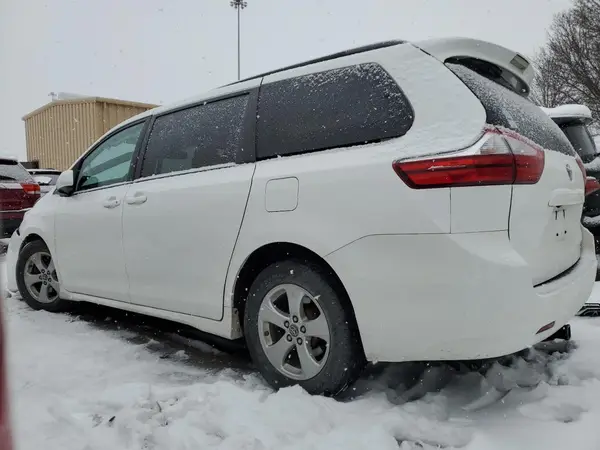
338,200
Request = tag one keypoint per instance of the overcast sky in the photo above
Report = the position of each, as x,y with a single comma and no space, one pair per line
158,51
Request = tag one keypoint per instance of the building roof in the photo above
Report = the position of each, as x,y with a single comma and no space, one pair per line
88,100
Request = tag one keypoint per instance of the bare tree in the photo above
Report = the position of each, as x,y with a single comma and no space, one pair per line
568,67
547,88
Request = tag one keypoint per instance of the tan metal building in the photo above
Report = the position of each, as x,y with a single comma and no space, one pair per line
60,131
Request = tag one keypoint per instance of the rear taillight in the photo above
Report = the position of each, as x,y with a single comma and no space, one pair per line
31,188
500,157
591,185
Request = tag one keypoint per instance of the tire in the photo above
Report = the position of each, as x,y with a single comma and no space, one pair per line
330,367
35,263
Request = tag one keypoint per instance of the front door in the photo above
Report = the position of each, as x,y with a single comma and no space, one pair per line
182,217
88,224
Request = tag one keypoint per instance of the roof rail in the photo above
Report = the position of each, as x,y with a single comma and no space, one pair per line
352,51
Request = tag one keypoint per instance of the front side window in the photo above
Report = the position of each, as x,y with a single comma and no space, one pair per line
201,136
110,162
337,108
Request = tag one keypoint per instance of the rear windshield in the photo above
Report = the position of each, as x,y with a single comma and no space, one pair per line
12,171
581,140
506,109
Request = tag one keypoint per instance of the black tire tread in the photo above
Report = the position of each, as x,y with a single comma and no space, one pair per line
30,248
346,358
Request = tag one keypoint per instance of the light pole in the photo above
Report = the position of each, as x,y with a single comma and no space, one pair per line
239,5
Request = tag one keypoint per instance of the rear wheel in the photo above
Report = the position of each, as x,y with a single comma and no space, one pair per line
300,330
37,279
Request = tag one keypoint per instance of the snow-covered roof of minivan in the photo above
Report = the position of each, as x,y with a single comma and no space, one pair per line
442,49
574,111
456,48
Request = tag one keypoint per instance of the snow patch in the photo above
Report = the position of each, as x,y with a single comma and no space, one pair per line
593,165
77,385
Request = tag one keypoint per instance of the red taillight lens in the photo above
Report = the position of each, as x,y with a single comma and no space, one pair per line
31,188
457,171
500,158
591,185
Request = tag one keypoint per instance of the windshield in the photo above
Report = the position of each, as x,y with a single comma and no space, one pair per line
581,140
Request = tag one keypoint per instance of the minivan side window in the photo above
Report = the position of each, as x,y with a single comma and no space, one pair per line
110,162
337,108
196,137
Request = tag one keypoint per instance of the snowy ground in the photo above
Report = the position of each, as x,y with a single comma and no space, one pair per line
90,383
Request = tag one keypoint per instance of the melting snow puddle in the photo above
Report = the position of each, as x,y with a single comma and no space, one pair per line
76,385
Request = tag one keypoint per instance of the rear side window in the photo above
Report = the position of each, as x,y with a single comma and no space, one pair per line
507,109
581,140
201,136
337,108
13,172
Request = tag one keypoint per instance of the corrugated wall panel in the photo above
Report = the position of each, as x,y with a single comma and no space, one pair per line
57,135
113,114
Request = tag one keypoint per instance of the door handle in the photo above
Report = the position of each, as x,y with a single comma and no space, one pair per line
137,199
111,202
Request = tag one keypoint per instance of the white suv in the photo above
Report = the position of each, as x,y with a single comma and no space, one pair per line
395,202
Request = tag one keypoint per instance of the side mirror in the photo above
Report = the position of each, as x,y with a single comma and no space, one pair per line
65,183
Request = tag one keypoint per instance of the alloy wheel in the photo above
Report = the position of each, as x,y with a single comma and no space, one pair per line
40,278
294,332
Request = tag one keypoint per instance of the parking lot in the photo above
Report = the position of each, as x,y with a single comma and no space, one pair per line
100,379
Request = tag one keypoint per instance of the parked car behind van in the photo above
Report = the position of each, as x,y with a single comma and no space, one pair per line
18,194
46,178
396,202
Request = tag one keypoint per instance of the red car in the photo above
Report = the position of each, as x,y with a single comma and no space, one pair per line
18,193
5,434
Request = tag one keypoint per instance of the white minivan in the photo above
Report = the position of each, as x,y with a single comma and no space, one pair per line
396,202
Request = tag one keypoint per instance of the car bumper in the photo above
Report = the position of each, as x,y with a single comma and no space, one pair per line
8,225
454,296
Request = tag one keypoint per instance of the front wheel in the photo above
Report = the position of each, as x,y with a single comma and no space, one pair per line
300,330
37,279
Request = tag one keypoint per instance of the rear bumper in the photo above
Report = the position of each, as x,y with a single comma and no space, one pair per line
9,225
454,296
590,309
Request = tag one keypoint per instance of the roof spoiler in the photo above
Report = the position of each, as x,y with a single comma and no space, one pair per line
515,71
